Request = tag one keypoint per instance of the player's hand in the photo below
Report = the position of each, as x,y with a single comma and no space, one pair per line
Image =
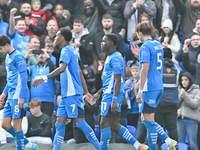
13,11
95,98
135,50
20,103
88,97
36,82
2,98
114,107
139,98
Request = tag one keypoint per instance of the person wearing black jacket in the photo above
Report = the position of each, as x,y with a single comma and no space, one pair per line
107,23
3,72
39,124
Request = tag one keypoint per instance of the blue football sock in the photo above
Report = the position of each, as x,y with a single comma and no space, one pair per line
105,138
126,135
12,132
152,134
161,132
60,133
19,137
89,133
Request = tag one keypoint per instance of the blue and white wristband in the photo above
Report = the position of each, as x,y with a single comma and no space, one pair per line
114,98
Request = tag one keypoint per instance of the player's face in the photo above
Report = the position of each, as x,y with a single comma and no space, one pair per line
105,44
185,81
36,6
166,30
52,27
195,39
20,27
78,27
34,44
58,39
135,73
26,8
107,23
4,50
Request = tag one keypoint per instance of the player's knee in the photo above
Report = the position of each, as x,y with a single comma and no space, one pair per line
104,124
17,127
5,126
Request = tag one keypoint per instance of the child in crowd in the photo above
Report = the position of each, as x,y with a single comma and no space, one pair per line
169,39
49,48
58,16
44,13
130,96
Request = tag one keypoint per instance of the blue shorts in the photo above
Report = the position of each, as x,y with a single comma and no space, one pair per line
106,105
150,101
71,107
11,109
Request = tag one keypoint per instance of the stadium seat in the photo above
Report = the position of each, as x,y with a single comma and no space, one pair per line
127,50
186,139
181,146
96,131
132,130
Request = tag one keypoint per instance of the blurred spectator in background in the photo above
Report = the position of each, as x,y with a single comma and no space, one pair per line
34,23
50,49
3,72
193,49
169,39
33,47
116,9
195,30
133,10
82,42
58,16
39,124
190,12
166,111
166,10
16,31
107,23
6,6
45,91
3,25
44,12
189,110
43,2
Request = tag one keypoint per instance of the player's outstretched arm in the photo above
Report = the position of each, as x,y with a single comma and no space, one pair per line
55,73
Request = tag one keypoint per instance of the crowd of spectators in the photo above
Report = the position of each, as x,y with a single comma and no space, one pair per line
32,26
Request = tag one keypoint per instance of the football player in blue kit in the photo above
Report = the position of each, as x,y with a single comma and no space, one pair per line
18,93
72,88
151,85
113,95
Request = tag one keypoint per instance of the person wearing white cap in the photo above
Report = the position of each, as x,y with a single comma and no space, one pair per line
169,39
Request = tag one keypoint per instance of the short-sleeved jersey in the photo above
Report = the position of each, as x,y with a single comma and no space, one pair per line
3,27
70,78
19,41
151,52
15,64
114,64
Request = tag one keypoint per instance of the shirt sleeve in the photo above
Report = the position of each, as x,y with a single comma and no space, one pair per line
65,56
20,63
12,36
5,91
117,65
144,54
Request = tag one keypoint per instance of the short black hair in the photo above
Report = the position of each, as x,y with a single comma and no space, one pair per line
4,39
113,37
66,33
78,20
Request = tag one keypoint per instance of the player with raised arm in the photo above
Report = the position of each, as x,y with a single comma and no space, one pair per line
18,93
72,87
151,85
113,95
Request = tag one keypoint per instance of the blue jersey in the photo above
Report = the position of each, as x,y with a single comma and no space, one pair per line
114,65
44,91
151,52
70,78
16,67
19,41
4,27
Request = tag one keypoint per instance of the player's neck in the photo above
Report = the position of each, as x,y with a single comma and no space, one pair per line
111,50
147,37
10,50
